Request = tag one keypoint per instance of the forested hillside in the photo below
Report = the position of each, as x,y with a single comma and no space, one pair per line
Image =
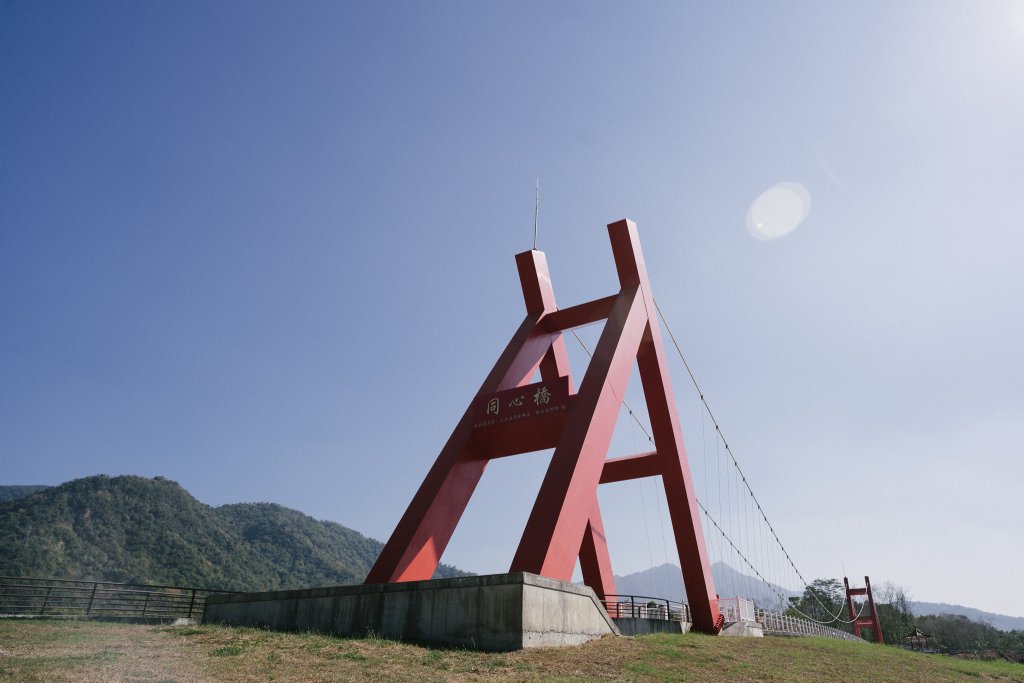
999,621
140,530
15,492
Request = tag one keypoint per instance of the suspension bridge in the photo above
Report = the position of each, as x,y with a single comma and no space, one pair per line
532,401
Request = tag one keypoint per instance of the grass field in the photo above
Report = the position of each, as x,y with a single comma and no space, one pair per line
92,651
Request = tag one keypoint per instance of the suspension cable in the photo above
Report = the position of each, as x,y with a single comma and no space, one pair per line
721,437
718,430
772,588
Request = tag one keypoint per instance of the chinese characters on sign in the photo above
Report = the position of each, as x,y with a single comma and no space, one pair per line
522,403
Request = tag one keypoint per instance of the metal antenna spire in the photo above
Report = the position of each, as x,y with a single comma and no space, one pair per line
536,214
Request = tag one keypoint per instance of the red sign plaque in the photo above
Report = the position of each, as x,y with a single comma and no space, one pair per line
522,403
527,418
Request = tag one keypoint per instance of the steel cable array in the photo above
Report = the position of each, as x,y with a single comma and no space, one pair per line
834,618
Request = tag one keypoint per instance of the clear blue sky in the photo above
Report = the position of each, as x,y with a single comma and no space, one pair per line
266,250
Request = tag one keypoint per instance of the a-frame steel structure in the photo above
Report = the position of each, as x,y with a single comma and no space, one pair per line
870,620
509,416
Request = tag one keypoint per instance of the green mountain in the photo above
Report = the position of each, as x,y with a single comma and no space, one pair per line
14,492
139,530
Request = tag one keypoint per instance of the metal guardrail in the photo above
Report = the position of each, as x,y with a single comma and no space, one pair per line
24,597
776,624
734,609
644,607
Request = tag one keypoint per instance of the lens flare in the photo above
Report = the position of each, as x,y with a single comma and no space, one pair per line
778,210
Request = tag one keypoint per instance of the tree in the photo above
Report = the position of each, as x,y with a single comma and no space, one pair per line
956,633
894,614
823,601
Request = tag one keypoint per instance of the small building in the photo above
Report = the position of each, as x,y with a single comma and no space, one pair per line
917,639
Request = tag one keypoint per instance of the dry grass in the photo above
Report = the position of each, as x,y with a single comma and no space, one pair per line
90,651
76,651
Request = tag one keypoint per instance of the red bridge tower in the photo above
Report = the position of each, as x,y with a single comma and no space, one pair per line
870,620
508,416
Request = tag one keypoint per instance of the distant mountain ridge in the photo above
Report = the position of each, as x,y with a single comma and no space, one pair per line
140,530
1002,622
666,582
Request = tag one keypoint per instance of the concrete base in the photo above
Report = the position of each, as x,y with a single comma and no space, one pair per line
499,612
629,626
743,629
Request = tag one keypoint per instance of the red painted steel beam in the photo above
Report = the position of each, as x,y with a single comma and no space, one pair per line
871,621
540,298
631,467
849,606
535,281
668,437
877,624
578,316
415,547
594,558
595,561
555,529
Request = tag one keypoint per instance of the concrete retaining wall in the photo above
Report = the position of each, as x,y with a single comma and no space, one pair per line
629,626
499,612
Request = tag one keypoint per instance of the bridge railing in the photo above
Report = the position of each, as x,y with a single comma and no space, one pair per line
644,607
24,596
734,609
777,624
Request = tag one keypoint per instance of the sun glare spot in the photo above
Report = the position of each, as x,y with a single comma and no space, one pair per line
778,210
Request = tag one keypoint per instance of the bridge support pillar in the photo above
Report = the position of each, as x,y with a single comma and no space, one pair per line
869,620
